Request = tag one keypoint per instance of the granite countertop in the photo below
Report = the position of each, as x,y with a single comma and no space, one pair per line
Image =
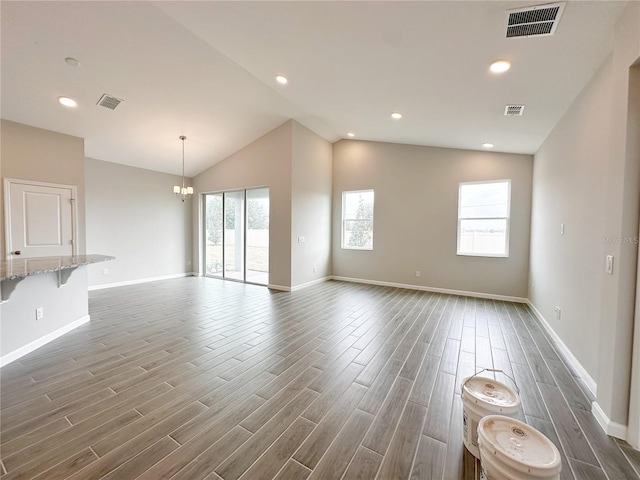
25,267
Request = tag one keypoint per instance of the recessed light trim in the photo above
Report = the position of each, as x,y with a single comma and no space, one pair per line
282,80
488,145
396,115
351,134
500,66
67,102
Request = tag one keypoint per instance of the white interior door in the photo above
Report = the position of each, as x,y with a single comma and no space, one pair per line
40,219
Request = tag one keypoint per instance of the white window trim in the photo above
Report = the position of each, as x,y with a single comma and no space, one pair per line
507,218
342,220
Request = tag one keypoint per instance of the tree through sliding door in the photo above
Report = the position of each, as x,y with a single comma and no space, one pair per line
236,243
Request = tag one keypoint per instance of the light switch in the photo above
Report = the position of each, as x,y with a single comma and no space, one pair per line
562,229
609,264
300,239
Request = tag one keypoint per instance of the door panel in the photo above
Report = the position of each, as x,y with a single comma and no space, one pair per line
258,236
40,219
213,235
234,235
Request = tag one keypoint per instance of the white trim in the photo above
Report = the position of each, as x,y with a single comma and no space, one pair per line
573,361
141,280
612,429
282,288
308,284
30,347
507,220
463,293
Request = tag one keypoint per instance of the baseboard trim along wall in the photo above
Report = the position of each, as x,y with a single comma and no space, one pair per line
30,347
280,288
462,293
612,429
308,284
575,363
141,280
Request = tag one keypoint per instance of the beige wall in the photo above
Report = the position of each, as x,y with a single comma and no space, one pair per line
569,187
264,162
587,175
310,206
415,216
30,153
634,399
133,215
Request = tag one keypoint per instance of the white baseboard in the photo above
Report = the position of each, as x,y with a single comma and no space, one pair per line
610,428
30,347
463,293
577,366
141,280
281,288
308,284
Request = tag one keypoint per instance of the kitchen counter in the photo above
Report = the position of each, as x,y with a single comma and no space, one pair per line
14,270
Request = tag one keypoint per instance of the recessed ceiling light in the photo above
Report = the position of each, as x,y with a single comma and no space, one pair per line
351,134
67,102
282,80
72,62
500,66
488,145
396,116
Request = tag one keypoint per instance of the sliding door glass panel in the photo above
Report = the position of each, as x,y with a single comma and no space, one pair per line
234,235
257,270
213,235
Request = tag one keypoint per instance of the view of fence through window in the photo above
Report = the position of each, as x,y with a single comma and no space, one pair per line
357,220
483,218
237,239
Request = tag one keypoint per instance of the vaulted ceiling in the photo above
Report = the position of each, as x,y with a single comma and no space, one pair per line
207,70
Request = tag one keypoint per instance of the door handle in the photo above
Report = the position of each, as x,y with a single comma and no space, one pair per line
17,252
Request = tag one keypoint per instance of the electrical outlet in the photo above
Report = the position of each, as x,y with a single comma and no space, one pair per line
558,313
609,264
105,271
301,239
39,313
188,263
417,273
562,229
314,269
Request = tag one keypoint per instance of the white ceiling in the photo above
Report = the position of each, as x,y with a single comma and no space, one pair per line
206,70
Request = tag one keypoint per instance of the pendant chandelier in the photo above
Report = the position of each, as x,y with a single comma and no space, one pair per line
183,192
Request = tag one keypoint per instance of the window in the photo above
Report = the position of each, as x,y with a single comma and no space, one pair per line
357,220
483,218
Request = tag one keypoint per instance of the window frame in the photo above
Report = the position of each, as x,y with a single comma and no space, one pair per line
343,220
507,219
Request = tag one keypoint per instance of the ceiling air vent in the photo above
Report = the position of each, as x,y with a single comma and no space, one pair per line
109,101
538,20
514,110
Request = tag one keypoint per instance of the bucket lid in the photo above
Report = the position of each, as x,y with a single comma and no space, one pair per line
519,444
490,391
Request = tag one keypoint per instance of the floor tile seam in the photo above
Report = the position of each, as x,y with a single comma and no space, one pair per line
544,401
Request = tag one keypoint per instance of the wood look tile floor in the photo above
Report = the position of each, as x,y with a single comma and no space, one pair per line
199,378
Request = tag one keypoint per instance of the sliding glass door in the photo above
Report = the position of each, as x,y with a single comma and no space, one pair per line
214,234
257,270
236,243
234,235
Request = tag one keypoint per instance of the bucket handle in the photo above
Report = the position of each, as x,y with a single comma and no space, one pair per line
495,370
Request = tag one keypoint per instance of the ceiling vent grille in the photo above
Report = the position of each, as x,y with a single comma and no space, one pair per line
109,101
539,20
514,110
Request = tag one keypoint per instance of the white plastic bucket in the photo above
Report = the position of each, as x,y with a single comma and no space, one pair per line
512,450
483,396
